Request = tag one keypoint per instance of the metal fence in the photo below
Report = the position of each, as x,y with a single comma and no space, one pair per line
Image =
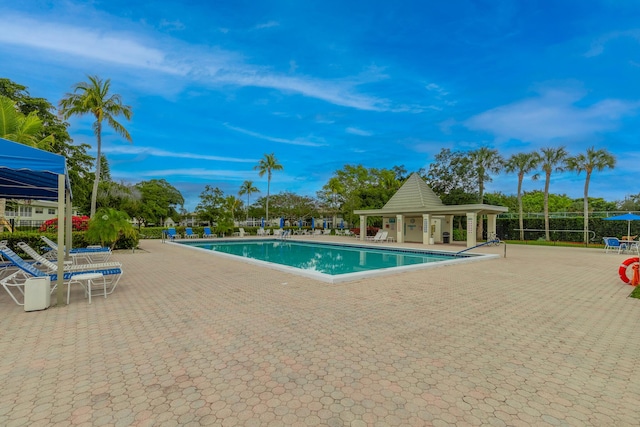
540,215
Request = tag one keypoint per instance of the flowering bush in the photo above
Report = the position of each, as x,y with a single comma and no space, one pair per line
78,223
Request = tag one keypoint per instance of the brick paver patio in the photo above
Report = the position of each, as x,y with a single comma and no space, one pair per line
546,336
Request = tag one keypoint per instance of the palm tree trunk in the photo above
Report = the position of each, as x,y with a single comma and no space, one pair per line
586,208
546,208
96,181
268,188
247,208
520,214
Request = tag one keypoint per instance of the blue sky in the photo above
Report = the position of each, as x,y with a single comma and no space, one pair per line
214,85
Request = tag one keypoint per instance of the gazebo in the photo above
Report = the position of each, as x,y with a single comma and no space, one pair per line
30,173
416,214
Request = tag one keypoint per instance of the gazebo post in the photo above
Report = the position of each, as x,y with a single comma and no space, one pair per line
471,229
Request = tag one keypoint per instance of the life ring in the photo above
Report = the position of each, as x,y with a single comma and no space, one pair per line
622,271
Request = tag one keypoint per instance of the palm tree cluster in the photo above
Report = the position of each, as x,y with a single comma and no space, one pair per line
557,159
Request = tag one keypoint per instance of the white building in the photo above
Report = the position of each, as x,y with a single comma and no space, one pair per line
33,210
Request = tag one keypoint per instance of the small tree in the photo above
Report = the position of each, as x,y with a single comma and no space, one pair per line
108,226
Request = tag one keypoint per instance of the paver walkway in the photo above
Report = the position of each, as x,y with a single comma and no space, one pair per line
546,336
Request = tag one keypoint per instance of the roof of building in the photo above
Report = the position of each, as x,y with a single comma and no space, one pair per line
416,197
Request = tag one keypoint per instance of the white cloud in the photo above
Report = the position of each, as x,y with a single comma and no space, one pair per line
356,131
173,57
550,117
269,24
597,47
298,141
150,151
201,173
111,46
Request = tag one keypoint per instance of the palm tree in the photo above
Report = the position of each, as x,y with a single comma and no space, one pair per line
17,127
522,163
592,160
551,159
247,188
485,161
267,165
231,203
94,98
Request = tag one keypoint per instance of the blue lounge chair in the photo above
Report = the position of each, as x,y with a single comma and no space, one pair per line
207,233
91,253
25,270
613,243
189,234
171,234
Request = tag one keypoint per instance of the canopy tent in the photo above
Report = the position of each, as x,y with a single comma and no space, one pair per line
31,173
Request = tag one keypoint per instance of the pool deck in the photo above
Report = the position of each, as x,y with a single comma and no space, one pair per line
546,336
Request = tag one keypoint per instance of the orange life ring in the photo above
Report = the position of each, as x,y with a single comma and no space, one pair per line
622,271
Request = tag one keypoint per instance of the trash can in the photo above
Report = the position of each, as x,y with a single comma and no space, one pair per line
445,237
37,293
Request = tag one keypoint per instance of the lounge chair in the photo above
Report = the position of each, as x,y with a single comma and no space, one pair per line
52,267
15,278
171,233
381,237
613,243
91,254
189,234
376,237
207,233
317,232
326,232
277,232
286,234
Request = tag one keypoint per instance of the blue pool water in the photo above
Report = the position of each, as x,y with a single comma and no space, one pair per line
325,258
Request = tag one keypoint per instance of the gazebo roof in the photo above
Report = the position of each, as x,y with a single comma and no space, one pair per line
413,193
415,197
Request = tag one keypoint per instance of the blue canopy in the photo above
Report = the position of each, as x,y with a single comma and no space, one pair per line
626,217
30,173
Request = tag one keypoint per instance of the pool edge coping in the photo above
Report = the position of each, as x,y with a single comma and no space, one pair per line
340,278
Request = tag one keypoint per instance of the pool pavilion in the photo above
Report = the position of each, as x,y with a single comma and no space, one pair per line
416,214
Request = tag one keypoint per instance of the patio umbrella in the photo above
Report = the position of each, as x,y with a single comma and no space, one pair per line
313,223
262,222
281,222
299,223
341,224
626,217
325,224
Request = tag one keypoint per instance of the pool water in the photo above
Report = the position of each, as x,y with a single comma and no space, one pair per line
326,258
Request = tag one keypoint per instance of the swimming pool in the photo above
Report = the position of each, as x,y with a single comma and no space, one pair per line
330,262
